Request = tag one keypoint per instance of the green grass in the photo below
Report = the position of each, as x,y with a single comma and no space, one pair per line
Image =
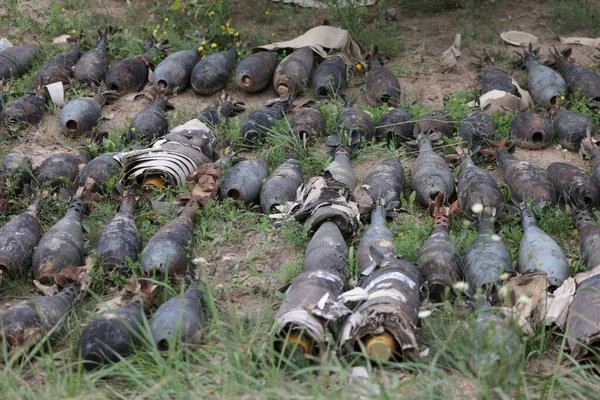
572,16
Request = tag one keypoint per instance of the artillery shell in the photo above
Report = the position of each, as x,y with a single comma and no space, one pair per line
437,121
395,126
385,182
81,115
381,86
531,131
579,80
325,264
128,75
582,321
59,167
475,128
440,262
340,169
431,175
355,124
589,238
496,79
539,252
111,336
293,72
308,122
244,180
16,165
16,60
545,85
29,321
476,186
570,128
589,147
168,251
526,181
281,186
329,78
18,239
573,185
101,169
180,318
149,124
174,72
61,246
211,74
58,69
93,65
24,111
258,123
487,258
255,72
119,239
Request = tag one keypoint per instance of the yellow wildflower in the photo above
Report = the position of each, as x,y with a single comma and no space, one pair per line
73,31
164,32
201,48
267,12
227,24
562,97
213,46
236,34
166,19
223,27
358,66
133,129
203,42
155,31
210,14
272,34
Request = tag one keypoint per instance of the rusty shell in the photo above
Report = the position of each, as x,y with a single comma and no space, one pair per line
168,251
27,110
29,321
58,69
15,61
573,185
215,115
582,327
589,238
381,85
355,124
530,131
496,79
16,165
570,128
212,73
439,261
476,186
545,85
128,75
81,115
375,244
329,78
579,80
590,148
385,183
281,186
487,258
111,336
327,250
149,124
526,181
293,72
61,246
18,238
255,72
258,123
175,71
395,126
308,122
119,240
59,167
431,175
93,65
101,169
244,180
340,169
179,319
539,252
436,121
475,128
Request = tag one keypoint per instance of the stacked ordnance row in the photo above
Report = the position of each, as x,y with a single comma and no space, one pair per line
385,313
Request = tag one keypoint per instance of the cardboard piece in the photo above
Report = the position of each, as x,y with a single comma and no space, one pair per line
448,58
324,4
57,93
503,102
583,41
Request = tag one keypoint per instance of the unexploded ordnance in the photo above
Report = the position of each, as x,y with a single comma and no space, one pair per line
308,122
496,79
356,125
384,184
589,237
281,186
573,185
475,128
24,111
211,73
579,80
258,123
173,74
244,180
436,121
59,167
530,131
431,175
570,128
93,65
16,60
150,123
16,165
81,115
395,126
545,85
130,74
329,78
381,86
293,72
340,169
57,69
255,72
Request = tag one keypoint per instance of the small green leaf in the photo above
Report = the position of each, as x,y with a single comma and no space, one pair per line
176,4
